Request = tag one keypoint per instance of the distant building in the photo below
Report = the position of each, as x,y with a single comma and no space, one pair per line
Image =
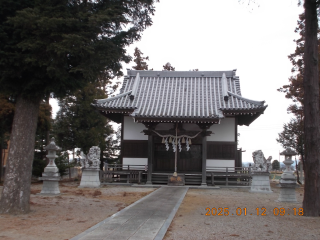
206,104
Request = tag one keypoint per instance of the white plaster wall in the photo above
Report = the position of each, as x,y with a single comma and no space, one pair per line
221,163
132,130
164,126
223,132
135,161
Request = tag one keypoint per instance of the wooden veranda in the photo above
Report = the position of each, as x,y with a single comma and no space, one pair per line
117,173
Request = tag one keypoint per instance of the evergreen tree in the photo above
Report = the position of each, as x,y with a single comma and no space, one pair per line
311,199
41,140
56,47
113,146
168,67
293,136
275,165
304,88
78,125
7,106
294,90
140,61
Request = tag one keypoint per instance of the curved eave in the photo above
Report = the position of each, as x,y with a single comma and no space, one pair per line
242,111
245,117
176,119
114,114
101,102
114,109
261,103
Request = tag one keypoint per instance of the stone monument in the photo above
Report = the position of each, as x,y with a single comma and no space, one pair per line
51,175
288,180
260,173
90,168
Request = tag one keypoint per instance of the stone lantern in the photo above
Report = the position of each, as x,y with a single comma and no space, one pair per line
51,175
288,180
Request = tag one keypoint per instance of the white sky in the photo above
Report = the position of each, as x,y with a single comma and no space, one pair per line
224,35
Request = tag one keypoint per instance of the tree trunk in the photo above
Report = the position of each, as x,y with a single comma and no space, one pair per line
1,164
311,198
16,188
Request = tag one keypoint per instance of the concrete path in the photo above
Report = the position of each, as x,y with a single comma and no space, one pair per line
148,218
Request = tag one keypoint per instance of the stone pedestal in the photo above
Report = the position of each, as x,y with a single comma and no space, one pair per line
90,178
287,193
260,182
51,178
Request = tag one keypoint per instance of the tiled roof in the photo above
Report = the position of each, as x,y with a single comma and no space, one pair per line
187,95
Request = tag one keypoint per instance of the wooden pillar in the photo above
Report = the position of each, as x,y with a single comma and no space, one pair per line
150,126
150,159
204,160
205,133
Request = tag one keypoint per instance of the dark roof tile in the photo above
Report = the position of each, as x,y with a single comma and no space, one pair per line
187,94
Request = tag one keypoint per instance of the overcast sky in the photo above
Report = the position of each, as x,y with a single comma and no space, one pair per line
214,35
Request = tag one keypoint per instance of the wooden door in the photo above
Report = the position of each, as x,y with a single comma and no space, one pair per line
190,161
163,159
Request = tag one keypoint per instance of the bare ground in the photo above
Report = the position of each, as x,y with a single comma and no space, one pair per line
194,218
77,209
67,215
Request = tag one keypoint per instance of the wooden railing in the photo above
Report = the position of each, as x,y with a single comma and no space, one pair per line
125,167
242,175
136,173
122,172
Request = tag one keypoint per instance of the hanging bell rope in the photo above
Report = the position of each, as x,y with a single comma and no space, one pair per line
172,139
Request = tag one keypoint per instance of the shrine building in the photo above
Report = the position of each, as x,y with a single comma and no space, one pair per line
190,116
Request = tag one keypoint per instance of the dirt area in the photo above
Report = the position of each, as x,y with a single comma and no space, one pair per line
195,220
67,215
77,209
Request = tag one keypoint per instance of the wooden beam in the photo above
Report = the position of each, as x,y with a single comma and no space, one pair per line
150,126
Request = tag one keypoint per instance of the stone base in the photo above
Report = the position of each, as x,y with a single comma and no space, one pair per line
50,182
50,188
90,178
287,195
260,182
288,192
176,180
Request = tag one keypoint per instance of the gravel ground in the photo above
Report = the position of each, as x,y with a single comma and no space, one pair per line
67,215
76,210
194,219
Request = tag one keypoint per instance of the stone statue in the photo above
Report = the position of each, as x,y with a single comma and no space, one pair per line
92,159
260,162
